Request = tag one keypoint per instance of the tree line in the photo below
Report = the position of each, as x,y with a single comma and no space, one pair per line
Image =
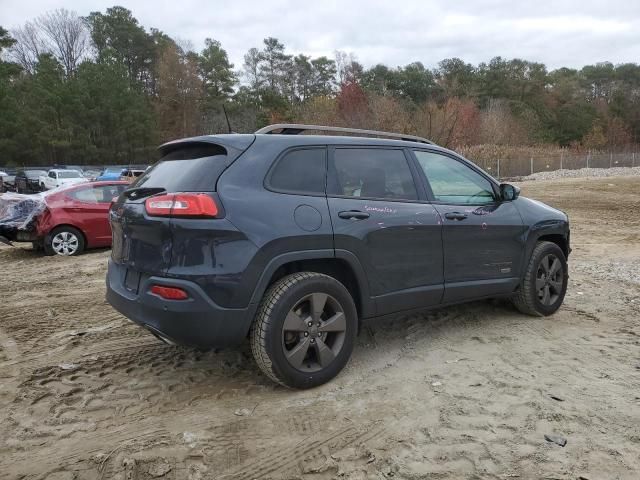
103,89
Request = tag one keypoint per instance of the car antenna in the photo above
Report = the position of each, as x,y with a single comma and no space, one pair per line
227,119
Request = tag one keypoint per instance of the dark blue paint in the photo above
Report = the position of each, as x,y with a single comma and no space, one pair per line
405,255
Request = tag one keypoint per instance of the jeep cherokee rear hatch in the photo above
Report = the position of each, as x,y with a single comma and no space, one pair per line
181,186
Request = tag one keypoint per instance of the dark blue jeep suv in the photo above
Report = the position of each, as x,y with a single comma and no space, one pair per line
292,240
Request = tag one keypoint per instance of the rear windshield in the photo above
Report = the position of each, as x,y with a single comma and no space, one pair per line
34,173
191,168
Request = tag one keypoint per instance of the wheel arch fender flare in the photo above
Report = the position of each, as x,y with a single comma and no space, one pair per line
547,228
366,302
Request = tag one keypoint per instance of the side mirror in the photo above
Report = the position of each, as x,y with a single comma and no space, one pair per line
509,192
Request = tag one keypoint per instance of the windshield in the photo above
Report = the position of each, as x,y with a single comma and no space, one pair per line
69,174
34,173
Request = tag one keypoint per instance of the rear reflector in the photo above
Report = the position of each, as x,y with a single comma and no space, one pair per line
169,293
182,205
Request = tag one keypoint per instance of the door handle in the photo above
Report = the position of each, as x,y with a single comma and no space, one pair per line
353,214
455,215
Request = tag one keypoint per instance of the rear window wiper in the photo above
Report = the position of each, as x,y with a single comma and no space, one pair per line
141,192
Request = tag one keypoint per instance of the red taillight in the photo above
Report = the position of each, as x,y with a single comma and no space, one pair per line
182,205
169,293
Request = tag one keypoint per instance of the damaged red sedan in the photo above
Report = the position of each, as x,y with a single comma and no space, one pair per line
64,221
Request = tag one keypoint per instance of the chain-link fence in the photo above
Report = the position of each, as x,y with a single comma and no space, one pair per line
522,166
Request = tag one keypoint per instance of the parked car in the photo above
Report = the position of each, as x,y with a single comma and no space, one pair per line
294,240
65,221
110,173
8,183
58,177
130,175
28,181
92,174
77,168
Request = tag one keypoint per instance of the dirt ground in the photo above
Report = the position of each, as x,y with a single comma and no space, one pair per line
463,392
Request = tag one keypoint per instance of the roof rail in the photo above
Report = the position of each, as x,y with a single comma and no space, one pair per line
295,129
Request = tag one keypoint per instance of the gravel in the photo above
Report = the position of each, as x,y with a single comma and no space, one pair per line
628,271
583,172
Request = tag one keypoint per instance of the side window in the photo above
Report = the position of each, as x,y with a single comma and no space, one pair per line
106,193
100,194
300,171
52,174
372,173
454,182
87,195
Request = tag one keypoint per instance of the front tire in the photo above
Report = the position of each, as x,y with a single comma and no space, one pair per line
304,331
544,286
66,241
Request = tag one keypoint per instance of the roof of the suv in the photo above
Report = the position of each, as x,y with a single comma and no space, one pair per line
242,141
289,134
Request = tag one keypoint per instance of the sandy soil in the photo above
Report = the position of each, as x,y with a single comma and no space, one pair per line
465,392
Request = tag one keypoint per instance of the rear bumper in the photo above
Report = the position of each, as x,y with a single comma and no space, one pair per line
197,321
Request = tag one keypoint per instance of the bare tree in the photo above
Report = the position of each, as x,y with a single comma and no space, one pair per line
67,37
252,60
29,45
348,68
61,33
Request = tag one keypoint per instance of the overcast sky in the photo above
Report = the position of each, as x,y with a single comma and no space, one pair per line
559,33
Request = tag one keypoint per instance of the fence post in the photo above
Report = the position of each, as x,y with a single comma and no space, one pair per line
561,158
610,159
633,159
531,165
588,156
498,169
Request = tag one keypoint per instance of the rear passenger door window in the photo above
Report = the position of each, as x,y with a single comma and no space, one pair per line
371,173
300,171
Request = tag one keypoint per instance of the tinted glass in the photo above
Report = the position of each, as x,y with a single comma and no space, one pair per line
454,182
187,169
300,171
373,173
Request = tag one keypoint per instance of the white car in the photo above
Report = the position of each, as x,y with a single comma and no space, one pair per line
58,177
3,174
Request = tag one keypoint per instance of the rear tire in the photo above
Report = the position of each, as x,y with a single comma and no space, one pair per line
304,331
65,240
544,286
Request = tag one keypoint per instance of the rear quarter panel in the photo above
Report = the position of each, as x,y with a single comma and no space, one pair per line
269,223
